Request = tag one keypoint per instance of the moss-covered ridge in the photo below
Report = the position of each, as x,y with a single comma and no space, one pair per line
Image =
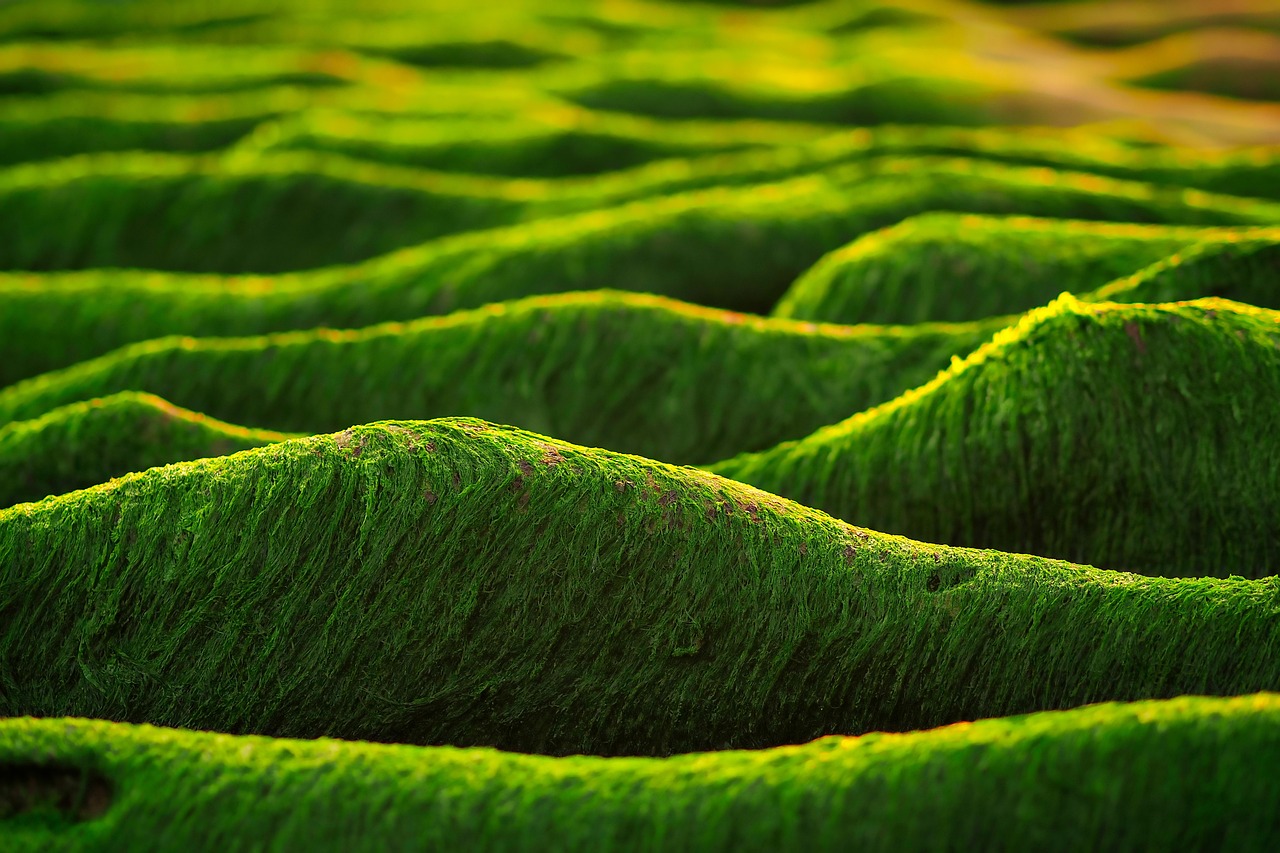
958,267
734,247
1192,771
631,372
1128,436
455,582
86,443
279,211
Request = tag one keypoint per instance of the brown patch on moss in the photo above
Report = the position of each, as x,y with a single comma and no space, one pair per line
850,554
622,485
430,496
525,467
551,457
1135,334
668,498
75,793
457,480
804,549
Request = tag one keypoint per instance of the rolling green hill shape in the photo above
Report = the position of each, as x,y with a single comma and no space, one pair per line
951,267
1114,435
87,443
634,373
553,144
736,248
1191,771
37,130
455,582
640,403
292,210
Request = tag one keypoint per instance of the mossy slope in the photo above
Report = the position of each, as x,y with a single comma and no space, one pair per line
454,582
87,443
634,373
1192,771
1115,435
954,267
736,247
274,212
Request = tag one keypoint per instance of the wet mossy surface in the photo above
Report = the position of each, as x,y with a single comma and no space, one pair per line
532,426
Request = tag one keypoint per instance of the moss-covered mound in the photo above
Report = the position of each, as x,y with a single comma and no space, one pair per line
1196,772
955,267
455,582
737,248
284,211
1134,437
634,373
86,443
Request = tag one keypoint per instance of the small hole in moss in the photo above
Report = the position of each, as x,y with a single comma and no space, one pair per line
71,792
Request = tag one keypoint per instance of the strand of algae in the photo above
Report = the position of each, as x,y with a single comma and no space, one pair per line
736,248
1193,771
86,443
954,267
454,582
1116,435
635,373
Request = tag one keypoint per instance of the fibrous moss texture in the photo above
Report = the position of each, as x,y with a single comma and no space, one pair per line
1109,777
349,353
86,443
455,582
732,247
631,372
1135,437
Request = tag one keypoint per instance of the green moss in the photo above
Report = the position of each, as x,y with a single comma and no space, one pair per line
1196,772
454,582
950,267
87,443
1116,435
737,248
561,143
638,374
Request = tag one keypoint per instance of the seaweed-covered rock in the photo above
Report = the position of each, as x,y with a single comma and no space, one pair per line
1190,771
86,443
634,373
1135,437
454,582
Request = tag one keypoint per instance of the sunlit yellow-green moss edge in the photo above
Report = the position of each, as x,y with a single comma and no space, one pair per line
730,247
455,582
86,443
631,372
957,267
281,211
1134,437
552,364
1198,772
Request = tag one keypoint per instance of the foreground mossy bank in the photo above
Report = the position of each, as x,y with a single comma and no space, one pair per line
1135,437
1193,772
455,582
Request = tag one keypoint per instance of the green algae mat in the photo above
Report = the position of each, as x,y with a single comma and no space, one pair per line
639,425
